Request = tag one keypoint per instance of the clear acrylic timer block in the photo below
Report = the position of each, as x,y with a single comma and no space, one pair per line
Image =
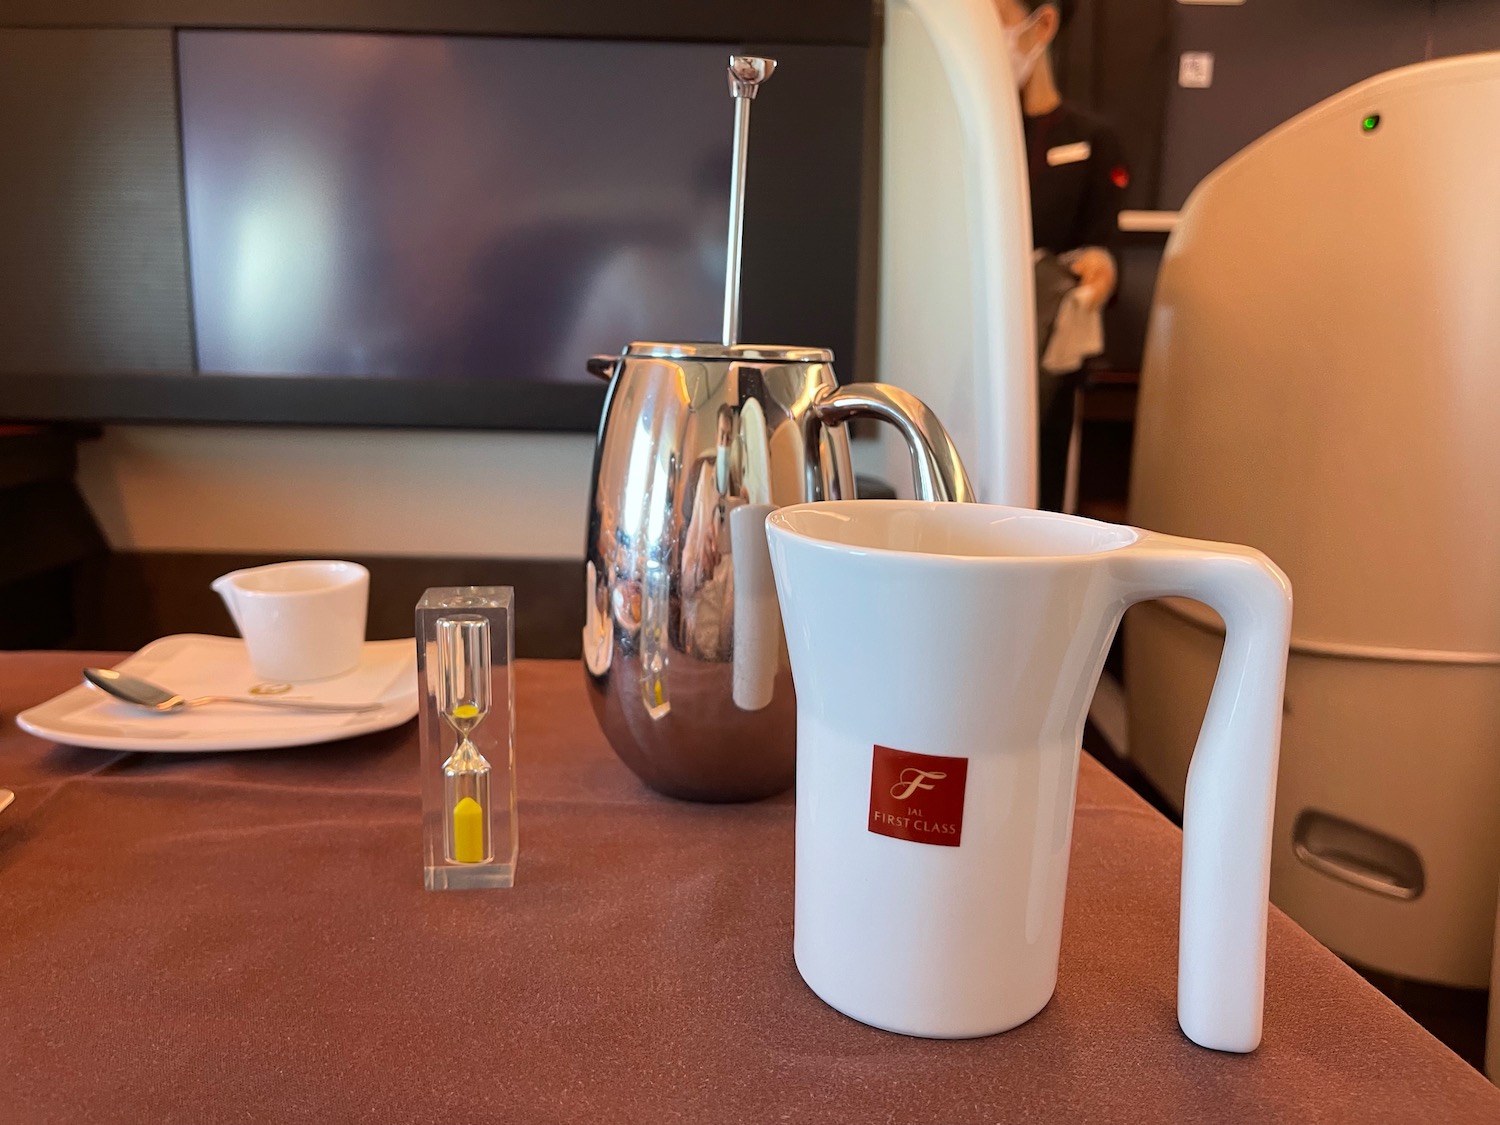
465,638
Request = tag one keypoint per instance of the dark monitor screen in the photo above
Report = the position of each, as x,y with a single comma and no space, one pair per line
414,214
449,207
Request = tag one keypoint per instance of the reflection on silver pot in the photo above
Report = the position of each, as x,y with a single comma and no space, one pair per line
699,442
682,643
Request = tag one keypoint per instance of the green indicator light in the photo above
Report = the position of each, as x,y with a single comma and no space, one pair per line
1370,123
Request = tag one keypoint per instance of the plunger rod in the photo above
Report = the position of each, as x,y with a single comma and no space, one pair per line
746,73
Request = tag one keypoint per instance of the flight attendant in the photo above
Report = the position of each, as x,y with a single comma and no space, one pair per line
1078,180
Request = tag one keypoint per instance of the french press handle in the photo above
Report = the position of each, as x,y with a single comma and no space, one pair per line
939,475
937,469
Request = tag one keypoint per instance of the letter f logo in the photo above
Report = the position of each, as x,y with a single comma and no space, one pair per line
913,779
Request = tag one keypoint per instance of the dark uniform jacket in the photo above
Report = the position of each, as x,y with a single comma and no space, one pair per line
1078,180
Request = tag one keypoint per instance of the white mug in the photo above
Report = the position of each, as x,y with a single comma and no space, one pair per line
300,620
944,657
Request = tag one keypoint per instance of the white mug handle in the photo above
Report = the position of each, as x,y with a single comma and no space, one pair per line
757,613
1231,784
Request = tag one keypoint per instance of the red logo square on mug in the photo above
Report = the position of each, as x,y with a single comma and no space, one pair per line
918,797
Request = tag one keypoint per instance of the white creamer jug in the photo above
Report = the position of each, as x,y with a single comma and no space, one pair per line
300,620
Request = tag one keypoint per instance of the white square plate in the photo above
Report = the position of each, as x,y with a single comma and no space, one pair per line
194,665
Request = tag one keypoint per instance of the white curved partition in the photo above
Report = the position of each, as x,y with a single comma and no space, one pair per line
956,305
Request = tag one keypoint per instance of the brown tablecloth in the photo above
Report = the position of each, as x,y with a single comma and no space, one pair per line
245,938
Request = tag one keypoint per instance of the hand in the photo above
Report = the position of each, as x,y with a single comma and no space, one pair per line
1095,267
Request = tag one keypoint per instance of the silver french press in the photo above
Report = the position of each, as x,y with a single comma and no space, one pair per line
682,645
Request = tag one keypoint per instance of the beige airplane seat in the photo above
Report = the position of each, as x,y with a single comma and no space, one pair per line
1322,380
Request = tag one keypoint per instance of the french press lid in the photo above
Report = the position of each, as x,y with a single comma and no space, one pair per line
760,353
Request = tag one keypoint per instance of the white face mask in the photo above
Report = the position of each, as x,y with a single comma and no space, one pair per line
1022,61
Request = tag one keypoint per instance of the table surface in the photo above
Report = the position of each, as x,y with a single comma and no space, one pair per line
245,938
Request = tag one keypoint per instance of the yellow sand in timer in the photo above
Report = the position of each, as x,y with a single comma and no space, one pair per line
463,699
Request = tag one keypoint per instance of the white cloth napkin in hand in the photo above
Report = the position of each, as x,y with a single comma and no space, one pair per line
1077,333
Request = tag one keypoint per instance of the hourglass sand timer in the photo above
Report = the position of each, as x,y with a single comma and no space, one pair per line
468,787
463,699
